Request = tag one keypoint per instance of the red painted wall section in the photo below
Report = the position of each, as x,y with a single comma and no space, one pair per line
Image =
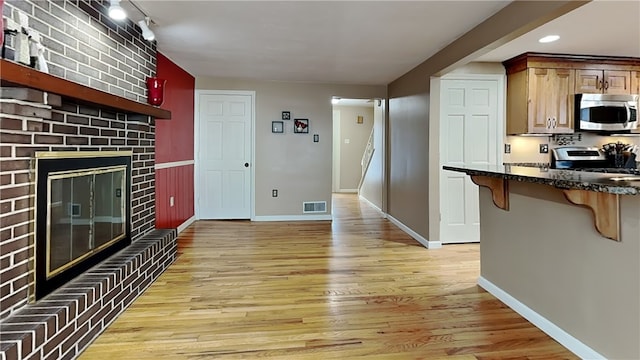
174,138
174,143
176,182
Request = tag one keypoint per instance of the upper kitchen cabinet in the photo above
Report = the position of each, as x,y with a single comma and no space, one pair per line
635,82
603,82
539,101
541,88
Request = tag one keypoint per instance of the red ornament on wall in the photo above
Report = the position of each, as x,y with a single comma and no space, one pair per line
155,87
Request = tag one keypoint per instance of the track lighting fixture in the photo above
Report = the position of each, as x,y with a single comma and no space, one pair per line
116,11
147,34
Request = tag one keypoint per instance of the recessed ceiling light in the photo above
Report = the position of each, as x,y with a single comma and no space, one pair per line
549,38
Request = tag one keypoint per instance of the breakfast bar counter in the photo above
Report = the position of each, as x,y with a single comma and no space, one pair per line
546,251
621,184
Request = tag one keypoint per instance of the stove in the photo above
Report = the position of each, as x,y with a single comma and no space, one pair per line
582,158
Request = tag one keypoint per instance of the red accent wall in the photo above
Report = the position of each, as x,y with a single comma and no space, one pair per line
174,142
174,138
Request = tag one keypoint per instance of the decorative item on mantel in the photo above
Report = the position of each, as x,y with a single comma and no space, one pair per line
155,86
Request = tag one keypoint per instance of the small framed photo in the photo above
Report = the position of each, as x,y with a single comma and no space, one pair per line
277,127
301,126
286,115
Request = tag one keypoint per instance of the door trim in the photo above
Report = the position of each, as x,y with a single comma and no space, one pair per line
196,145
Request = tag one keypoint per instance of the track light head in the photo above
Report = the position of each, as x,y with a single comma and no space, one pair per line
116,11
147,34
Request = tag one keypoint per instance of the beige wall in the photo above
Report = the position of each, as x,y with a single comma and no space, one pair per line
373,184
292,163
408,115
357,136
582,282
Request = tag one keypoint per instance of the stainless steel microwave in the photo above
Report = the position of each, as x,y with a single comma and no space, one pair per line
606,112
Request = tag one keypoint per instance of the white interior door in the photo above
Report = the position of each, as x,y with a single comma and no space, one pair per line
224,156
469,134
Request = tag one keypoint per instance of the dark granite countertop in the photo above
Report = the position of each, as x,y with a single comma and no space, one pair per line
621,184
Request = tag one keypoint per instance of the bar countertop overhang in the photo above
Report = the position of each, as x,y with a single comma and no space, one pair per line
620,184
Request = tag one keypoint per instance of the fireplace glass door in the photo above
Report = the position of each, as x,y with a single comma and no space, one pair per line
86,213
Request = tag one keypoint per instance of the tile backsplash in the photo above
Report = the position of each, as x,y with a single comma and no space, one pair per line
526,148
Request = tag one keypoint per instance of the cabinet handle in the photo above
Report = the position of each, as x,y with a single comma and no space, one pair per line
606,85
554,122
598,83
548,123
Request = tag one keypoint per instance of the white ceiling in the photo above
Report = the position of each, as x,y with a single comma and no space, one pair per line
359,42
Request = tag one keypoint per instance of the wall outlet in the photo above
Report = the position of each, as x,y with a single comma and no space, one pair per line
507,148
544,148
274,193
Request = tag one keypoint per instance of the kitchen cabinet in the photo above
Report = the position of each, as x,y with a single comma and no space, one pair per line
541,87
635,82
603,81
540,101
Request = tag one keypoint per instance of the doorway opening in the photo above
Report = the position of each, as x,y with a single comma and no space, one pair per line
358,150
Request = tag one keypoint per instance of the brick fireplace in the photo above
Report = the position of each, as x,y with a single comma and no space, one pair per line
63,322
93,102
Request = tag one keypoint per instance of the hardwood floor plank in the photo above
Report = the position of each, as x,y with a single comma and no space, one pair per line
357,287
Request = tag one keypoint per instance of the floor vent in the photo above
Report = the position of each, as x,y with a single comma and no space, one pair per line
314,207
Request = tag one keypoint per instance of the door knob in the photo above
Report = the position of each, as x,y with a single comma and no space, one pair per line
246,164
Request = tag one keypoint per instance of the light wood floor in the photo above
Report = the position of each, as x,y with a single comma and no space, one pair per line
354,288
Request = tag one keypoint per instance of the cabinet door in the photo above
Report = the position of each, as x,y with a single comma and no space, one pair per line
617,82
589,81
540,88
635,82
561,100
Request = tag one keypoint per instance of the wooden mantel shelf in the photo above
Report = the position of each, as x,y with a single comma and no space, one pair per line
14,74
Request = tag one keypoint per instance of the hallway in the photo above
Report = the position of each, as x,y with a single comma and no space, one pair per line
357,287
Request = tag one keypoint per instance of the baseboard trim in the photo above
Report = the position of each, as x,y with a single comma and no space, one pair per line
186,224
347,191
565,339
382,213
426,243
293,218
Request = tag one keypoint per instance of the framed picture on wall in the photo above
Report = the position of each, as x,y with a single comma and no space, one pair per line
301,126
277,127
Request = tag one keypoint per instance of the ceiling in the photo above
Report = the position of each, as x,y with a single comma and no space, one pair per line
359,42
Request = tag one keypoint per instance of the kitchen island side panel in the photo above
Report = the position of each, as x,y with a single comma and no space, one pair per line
546,253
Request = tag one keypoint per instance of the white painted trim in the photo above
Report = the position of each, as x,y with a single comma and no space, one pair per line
293,218
335,147
565,339
347,191
382,213
426,243
196,153
174,164
186,224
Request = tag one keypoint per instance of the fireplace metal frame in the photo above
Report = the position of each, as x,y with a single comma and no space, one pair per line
59,162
